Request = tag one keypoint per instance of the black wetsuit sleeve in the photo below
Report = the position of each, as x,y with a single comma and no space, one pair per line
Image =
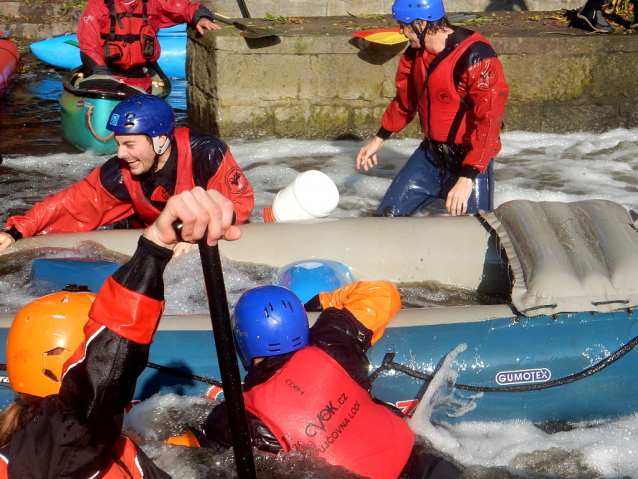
208,154
339,334
72,434
91,67
202,12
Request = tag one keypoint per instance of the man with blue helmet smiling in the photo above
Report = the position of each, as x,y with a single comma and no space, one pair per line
453,79
308,388
154,162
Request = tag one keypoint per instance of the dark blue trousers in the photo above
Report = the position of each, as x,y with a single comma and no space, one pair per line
423,179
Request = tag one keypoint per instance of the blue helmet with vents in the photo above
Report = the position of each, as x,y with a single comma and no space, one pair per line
268,321
407,11
144,115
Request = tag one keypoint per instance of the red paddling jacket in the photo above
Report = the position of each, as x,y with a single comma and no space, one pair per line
459,93
77,433
110,193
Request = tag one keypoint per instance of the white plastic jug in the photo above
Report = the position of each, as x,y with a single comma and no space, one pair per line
311,195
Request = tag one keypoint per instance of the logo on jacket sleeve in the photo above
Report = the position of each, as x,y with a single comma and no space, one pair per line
236,182
488,78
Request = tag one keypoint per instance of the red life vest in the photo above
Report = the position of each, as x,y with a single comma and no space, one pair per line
443,113
144,209
313,402
122,464
129,40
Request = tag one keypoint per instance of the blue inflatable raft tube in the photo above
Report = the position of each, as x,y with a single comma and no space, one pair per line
63,51
52,275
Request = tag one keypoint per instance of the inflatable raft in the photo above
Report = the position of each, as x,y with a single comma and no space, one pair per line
562,350
63,51
9,63
86,104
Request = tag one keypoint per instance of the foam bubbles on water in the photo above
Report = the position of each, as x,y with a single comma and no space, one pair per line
185,291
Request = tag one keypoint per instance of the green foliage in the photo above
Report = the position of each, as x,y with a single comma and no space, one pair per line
70,5
280,19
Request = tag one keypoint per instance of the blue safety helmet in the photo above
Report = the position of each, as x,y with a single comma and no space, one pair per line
407,11
268,321
144,115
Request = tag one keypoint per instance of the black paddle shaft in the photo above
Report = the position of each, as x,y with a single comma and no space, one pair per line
227,357
243,8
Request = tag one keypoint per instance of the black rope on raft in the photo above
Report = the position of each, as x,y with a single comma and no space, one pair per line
389,364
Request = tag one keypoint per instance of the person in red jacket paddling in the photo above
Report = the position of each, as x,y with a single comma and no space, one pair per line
453,79
75,375
154,162
119,37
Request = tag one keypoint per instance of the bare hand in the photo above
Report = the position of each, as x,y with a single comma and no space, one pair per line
6,240
206,24
197,210
457,198
367,156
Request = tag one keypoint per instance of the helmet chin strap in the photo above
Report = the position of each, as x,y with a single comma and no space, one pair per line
160,149
421,35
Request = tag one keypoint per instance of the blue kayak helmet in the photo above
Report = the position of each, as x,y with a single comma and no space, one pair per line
268,321
144,115
407,11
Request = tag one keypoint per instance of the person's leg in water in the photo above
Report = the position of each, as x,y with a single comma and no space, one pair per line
417,185
592,14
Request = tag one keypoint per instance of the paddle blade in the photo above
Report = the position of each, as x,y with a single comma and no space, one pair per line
384,36
259,32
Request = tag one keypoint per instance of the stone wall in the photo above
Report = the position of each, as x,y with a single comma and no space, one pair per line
314,8
318,85
573,83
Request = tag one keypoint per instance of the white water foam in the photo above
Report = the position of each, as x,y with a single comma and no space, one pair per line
534,166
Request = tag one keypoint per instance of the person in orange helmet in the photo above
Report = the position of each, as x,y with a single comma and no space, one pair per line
75,377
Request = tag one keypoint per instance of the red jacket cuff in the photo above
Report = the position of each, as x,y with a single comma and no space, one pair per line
128,314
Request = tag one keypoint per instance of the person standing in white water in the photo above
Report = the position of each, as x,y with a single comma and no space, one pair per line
452,77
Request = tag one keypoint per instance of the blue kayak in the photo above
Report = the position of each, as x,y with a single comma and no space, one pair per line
63,51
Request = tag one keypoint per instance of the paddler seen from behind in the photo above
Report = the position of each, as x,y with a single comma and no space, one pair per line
154,162
119,37
308,389
452,77
74,377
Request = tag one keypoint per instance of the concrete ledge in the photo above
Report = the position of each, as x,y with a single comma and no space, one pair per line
318,82
309,8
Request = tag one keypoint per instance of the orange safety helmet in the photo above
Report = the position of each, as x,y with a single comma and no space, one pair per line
44,334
